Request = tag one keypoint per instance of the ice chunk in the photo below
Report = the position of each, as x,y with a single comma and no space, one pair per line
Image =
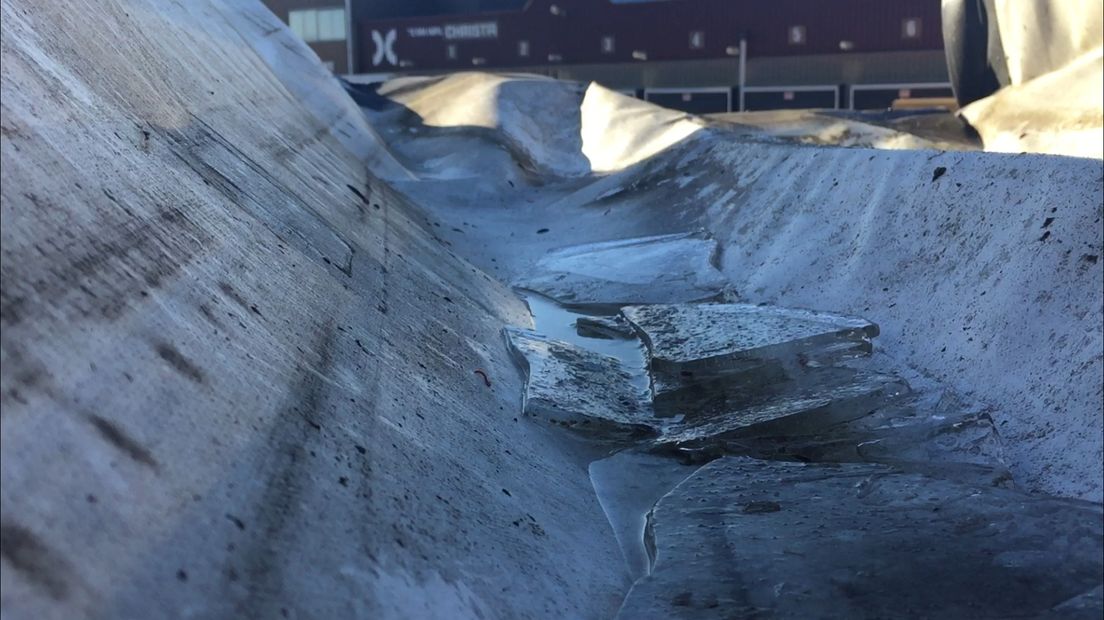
691,340
659,269
579,388
814,400
753,539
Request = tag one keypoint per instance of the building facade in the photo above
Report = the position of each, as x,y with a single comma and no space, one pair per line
697,55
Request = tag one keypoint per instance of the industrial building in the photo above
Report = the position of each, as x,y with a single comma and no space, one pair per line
697,55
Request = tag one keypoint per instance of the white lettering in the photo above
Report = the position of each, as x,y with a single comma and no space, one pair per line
422,32
478,30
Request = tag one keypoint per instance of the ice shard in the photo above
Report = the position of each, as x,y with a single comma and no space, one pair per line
710,413
658,269
689,341
579,388
755,539
605,327
903,430
966,436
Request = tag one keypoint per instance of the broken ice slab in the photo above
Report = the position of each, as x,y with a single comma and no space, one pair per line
659,269
628,484
1088,605
918,436
605,327
969,439
686,341
569,324
579,388
763,539
905,430
721,410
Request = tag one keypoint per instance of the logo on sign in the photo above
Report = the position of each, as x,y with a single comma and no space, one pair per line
385,47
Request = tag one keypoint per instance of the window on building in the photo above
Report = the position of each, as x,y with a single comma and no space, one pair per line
295,21
797,35
331,25
607,44
314,25
523,49
697,40
910,28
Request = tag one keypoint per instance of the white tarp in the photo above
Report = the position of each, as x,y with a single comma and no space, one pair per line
1055,103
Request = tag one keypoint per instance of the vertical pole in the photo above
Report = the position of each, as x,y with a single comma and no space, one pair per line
349,70
743,70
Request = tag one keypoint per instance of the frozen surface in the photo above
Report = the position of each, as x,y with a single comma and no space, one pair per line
550,127
507,109
249,371
577,387
655,269
918,130
752,539
982,270
619,131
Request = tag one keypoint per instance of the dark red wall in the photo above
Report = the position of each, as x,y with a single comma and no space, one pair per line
662,30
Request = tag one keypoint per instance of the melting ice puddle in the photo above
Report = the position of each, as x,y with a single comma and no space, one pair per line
628,484
556,321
